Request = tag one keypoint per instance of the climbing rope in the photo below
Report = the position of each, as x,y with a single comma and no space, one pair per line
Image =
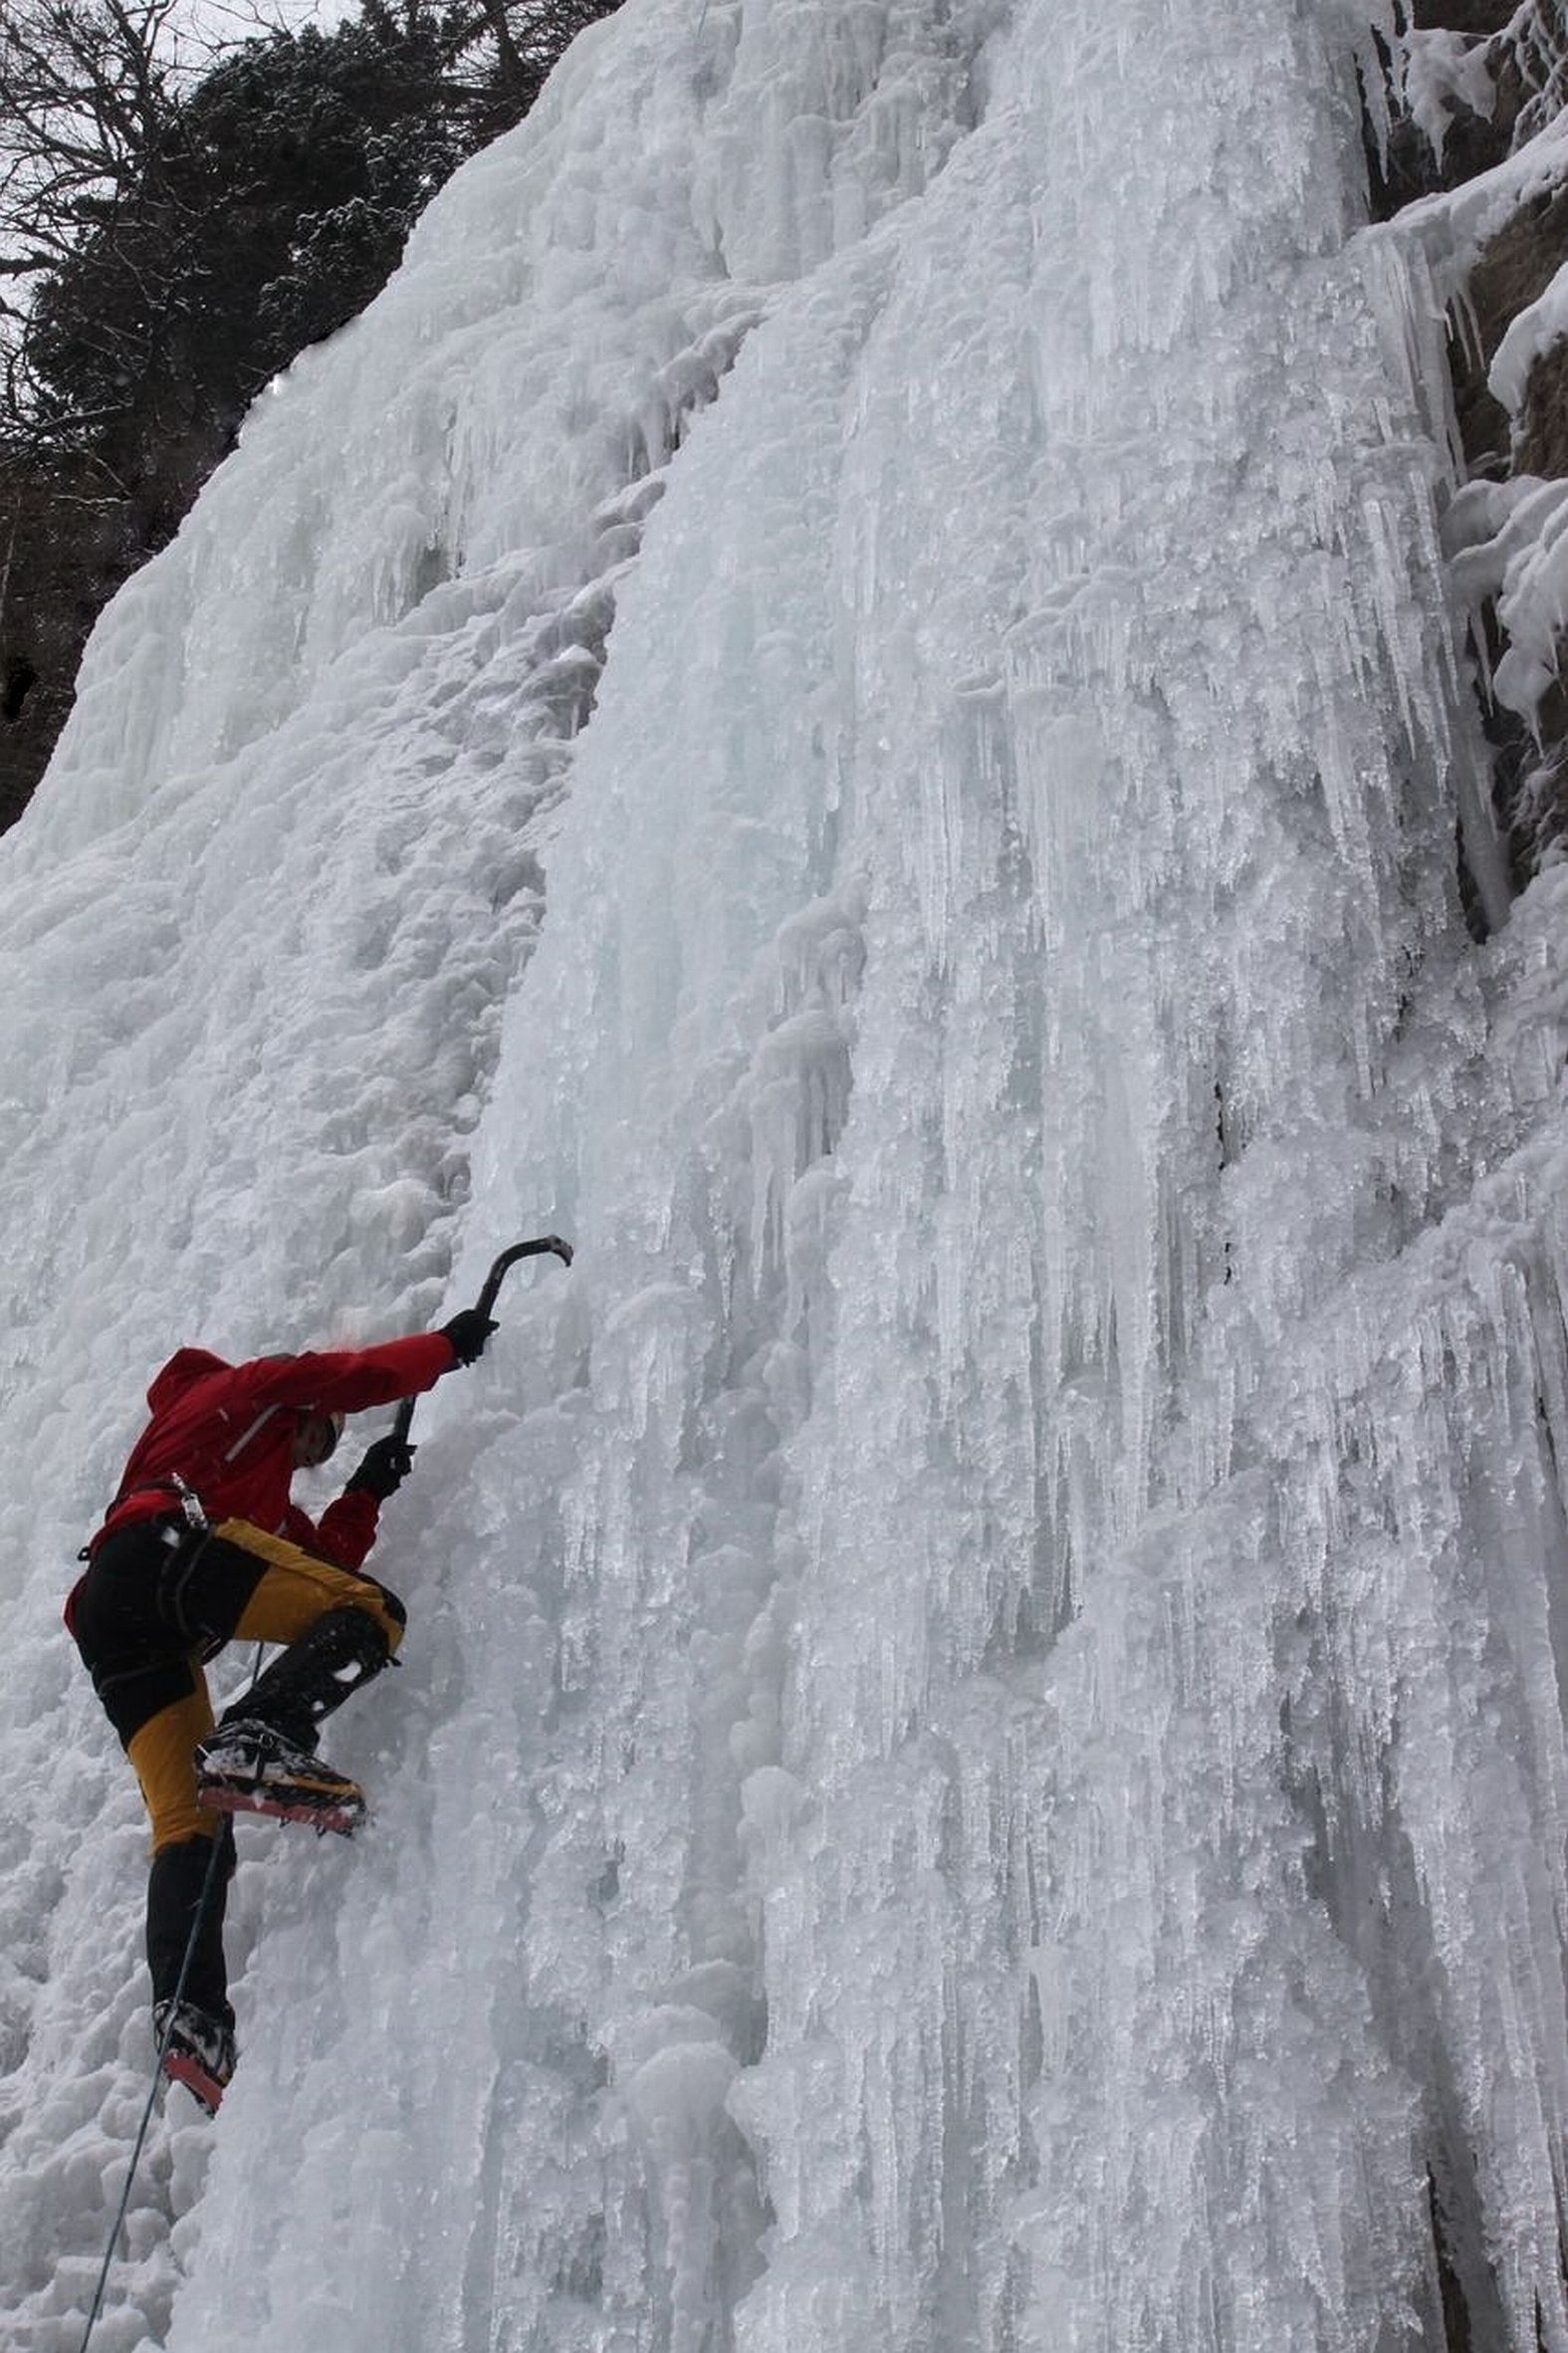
207,1886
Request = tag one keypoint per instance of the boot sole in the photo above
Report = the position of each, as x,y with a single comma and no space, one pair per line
205,2089
324,1813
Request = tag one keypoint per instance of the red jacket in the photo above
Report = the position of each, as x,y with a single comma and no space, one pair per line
227,1431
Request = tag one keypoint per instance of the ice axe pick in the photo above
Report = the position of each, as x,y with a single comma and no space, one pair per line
551,1243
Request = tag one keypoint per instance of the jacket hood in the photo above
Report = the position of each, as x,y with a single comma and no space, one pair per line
183,1370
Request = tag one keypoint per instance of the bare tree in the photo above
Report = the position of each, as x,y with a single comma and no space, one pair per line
86,97
88,102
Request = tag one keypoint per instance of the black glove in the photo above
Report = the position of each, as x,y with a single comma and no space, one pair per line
468,1333
386,1464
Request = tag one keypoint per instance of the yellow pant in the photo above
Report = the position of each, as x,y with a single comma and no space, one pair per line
293,1590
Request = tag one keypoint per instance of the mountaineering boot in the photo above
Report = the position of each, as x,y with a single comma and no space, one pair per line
262,1756
247,1767
315,1675
197,2050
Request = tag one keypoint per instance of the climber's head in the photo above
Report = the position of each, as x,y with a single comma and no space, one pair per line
316,1437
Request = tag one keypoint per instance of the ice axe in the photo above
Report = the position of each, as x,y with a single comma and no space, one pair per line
487,1300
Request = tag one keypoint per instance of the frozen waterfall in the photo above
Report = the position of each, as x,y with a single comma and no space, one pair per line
845,692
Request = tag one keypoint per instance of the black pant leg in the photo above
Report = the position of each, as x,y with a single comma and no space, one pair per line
137,1662
179,1888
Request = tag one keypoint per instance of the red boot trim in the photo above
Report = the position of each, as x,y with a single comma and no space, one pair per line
182,2066
343,1815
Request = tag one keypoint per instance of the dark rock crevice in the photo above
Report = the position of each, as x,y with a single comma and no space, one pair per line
1480,79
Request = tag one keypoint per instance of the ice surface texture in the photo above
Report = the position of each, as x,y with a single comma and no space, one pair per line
980,1758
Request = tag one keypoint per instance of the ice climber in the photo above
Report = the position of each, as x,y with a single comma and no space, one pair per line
203,1545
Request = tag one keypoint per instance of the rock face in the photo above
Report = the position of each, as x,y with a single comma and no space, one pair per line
1480,163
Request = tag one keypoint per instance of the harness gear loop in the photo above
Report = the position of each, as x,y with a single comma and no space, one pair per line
189,1504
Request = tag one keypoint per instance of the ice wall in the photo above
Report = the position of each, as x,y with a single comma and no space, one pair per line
980,1758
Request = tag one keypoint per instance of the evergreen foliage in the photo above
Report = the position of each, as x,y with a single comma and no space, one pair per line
175,270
